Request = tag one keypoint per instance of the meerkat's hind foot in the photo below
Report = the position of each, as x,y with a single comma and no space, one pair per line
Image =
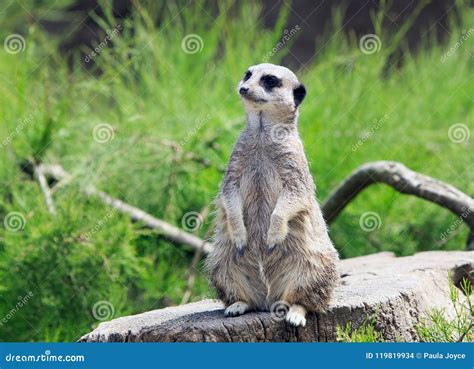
296,316
236,309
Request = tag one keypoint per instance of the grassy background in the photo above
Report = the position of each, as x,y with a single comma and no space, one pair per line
151,93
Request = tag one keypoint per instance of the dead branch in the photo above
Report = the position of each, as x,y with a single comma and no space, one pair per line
43,183
171,232
404,181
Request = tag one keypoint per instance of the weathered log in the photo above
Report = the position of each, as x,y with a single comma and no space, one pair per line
404,181
397,292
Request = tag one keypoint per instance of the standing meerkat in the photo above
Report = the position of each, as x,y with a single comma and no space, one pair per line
271,241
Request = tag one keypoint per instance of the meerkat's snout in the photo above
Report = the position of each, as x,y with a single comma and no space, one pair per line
251,94
243,91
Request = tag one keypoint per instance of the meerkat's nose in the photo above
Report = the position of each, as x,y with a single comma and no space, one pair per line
243,90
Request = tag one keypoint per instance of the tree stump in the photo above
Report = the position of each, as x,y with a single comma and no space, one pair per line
396,291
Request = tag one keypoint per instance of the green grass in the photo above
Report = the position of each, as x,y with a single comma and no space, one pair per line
151,92
437,327
366,332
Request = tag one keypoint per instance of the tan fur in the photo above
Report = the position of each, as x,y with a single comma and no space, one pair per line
271,241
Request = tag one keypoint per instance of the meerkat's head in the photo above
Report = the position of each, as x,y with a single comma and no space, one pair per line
271,88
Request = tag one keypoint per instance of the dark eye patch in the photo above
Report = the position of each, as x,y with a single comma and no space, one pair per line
247,75
269,82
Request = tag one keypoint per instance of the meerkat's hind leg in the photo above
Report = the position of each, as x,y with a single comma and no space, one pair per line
237,308
296,316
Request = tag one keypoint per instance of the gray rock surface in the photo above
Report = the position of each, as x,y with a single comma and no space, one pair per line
397,291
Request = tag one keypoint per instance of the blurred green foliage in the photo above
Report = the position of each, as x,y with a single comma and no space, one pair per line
175,116
365,332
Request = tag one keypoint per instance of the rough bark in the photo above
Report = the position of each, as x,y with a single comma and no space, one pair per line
404,181
397,291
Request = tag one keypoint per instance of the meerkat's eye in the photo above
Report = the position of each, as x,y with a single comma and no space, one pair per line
247,75
269,82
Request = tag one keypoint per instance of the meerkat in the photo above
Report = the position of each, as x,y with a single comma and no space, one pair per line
271,242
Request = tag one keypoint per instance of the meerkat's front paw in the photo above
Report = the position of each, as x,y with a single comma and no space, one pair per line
277,231
240,242
296,316
236,309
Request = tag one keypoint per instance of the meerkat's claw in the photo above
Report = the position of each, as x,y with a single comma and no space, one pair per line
241,249
236,309
295,319
240,243
276,236
296,316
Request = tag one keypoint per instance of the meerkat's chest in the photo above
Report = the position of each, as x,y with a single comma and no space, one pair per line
260,181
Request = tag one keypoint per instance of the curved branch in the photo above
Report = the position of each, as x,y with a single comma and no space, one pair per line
404,181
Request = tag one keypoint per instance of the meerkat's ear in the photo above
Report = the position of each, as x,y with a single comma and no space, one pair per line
298,94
